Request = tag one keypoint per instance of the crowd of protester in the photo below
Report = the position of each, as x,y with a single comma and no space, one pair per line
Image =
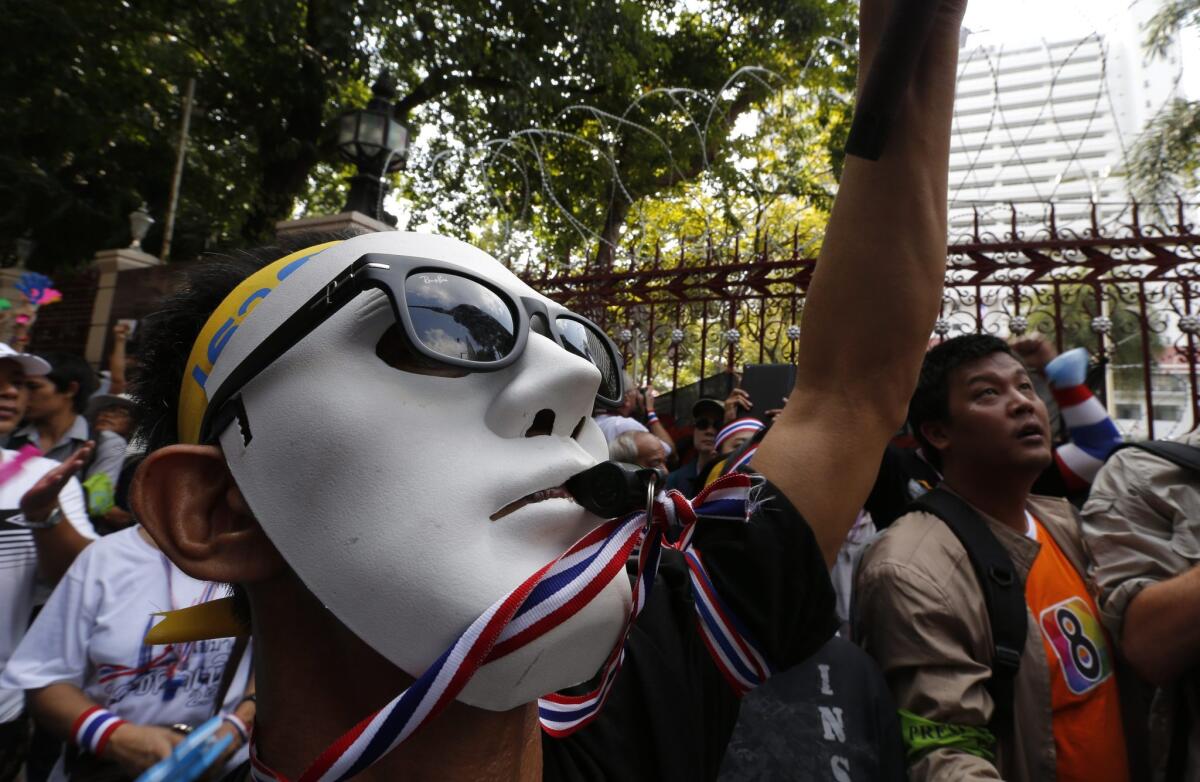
1080,666
929,676
82,696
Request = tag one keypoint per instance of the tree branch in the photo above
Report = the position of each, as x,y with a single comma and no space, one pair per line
441,82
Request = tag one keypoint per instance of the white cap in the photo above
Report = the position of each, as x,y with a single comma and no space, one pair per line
30,363
98,402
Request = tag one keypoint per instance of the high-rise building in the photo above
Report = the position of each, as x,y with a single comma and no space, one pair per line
1051,121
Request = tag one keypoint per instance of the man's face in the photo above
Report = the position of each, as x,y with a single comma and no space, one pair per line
650,452
45,400
704,434
115,419
14,395
997,423
415,496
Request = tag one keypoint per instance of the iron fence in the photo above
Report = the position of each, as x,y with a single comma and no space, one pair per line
1123,282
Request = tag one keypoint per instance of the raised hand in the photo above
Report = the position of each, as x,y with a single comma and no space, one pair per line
42,497
737,398
1036,352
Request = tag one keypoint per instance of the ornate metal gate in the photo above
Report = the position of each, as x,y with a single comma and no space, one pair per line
1125,286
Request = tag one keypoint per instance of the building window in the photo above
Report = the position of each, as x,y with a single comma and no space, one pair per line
1168,413
1129,412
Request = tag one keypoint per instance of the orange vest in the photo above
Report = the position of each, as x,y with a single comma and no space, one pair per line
1089,739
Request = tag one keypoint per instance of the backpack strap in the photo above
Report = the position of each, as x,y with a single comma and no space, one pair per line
1003,593
1186,456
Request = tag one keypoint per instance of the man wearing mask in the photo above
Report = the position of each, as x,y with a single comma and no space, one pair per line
431,547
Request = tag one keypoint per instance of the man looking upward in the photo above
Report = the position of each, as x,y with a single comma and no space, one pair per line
921,610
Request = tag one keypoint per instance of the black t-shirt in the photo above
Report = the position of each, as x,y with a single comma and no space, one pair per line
671,712
903,476
831,717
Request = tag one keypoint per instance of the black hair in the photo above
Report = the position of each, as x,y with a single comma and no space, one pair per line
931,400
67,368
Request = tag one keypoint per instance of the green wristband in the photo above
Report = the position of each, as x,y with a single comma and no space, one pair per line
922,736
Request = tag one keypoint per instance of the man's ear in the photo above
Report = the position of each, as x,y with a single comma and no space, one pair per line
937,434
186,498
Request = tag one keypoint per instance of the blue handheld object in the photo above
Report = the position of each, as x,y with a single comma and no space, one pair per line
192,756
1069,369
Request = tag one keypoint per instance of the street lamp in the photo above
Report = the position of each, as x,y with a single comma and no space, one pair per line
25,247
377,145
139,225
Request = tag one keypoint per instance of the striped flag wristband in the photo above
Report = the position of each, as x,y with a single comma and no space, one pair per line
94,728
239,726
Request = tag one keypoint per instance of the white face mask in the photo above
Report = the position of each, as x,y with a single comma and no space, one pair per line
376,484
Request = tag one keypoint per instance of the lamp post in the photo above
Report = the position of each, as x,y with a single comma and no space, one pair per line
377,144
25,247
139,225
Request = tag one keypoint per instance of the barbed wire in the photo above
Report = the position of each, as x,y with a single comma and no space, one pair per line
1055,96
697,121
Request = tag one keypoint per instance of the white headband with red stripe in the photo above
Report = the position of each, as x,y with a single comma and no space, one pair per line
740,426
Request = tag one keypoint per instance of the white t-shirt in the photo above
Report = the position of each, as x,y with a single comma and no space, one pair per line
90,635
614,426
18,561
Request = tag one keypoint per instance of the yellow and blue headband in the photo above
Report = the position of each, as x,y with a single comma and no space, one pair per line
217,331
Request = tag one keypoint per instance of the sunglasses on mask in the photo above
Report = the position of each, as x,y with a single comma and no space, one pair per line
707,423
449,315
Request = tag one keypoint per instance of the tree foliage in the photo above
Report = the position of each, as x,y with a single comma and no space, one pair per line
636,113
92,101
1165,161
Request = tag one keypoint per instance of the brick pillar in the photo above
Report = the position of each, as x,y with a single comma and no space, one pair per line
110,263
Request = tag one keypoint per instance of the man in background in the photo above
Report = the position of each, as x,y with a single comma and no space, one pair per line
707,417
1142,525
55,420
637,406
640,448
33,542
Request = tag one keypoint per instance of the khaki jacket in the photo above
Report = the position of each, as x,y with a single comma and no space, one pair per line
1142,526
920,612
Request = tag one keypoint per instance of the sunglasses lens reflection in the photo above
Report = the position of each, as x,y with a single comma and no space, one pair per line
586,342
459,318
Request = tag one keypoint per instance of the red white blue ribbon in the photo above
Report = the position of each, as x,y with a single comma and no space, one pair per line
94,728
543,601
749,426
743,460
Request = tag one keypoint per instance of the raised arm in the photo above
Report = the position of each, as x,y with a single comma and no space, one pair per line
58,545
873,298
